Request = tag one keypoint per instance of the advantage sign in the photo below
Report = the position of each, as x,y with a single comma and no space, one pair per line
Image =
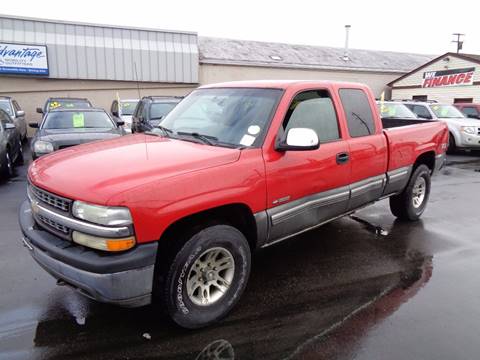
453,77
19,59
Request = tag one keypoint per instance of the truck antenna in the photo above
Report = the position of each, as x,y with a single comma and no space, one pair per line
136,79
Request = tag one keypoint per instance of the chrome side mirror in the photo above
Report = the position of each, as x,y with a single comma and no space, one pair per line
299,139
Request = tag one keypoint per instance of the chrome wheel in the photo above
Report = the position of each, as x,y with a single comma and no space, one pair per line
419,190
210,276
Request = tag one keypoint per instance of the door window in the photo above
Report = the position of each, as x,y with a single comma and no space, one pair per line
314,110
420,110
470,111
358,112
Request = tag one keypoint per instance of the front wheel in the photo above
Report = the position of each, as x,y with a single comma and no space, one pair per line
411,203
207,276
452,146
7,169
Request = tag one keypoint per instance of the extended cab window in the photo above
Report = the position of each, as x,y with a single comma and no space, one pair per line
314,110
358,111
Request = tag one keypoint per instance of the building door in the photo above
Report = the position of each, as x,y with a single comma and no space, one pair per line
462,100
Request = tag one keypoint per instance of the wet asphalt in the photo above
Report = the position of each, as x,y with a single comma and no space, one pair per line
362,287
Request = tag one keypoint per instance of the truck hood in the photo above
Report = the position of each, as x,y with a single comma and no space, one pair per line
462,121
95,172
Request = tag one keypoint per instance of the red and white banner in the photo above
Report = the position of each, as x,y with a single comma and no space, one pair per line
453,77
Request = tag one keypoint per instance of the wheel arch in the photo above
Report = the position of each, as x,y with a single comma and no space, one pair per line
427,158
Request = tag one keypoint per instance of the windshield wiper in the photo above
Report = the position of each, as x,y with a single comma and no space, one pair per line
156,118
166,131
206,139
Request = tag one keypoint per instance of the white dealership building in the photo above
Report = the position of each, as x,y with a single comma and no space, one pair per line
449,78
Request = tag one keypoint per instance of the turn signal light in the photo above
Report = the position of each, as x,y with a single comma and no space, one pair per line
105,244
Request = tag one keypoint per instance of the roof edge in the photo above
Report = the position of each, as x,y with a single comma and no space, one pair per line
81,23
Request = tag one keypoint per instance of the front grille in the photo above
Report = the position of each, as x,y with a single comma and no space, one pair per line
51,199
53,224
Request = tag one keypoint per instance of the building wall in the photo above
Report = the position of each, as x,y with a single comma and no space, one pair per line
220,73
32,93
446,94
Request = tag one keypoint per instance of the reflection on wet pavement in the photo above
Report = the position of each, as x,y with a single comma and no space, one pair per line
328,294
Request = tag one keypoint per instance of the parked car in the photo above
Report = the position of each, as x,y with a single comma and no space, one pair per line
64,102
123,110
234,167
469,110
395,110
13,109
62,128
464,132
151,110
11,151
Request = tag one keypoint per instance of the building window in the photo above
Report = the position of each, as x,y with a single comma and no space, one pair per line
420,97
462,100
358,112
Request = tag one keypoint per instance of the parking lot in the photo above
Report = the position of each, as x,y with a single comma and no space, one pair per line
394,290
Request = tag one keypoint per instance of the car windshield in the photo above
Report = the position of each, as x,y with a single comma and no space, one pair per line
159,110
77,120
128,107
392,110
234,116
446,111
68,103
5,105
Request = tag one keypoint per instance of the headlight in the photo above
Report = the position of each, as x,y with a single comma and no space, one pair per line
103,215
469,129
42,147
103,243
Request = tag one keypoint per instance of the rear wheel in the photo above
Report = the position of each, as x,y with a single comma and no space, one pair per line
411,203
207,276
20,159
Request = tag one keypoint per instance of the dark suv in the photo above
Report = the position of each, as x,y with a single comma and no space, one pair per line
64,102
13,109
151,110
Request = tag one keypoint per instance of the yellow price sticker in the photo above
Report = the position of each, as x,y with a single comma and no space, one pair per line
78,120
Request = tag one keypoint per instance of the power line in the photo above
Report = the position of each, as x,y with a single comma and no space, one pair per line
458,41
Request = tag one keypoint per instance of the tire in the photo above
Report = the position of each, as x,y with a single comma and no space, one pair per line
212,247
7,170
20,159
410,204
452,145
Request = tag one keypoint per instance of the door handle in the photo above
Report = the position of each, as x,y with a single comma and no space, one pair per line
342,158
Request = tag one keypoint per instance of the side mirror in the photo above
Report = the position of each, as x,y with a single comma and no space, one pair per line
33,125
115,113
39,110
9,126
20,113
120,123
299,139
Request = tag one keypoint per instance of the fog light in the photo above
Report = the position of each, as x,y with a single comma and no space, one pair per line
105,244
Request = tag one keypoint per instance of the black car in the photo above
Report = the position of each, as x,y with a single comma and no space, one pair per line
10,145
62,128
151,110
64,103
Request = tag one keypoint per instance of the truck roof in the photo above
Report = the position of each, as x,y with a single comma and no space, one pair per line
282,84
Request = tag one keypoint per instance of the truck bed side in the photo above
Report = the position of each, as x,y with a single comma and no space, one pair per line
407,143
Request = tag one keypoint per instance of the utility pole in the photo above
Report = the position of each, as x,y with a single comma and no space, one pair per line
458,41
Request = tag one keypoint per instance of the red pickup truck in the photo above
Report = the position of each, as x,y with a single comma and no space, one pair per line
174,214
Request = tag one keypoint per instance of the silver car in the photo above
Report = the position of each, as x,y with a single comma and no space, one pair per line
13,109
122,110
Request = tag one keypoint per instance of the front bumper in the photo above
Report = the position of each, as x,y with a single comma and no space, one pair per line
469,140
124,279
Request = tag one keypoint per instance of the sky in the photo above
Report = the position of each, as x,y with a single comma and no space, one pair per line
424,27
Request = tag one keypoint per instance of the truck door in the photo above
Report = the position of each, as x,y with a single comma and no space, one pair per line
367,147
305,188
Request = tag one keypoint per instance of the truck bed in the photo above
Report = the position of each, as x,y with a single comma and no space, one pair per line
389,123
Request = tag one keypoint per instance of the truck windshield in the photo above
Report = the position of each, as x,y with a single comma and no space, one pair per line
77,120
395,111
234,116
446,111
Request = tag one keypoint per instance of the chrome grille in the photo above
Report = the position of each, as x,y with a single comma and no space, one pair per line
51,199
53,224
